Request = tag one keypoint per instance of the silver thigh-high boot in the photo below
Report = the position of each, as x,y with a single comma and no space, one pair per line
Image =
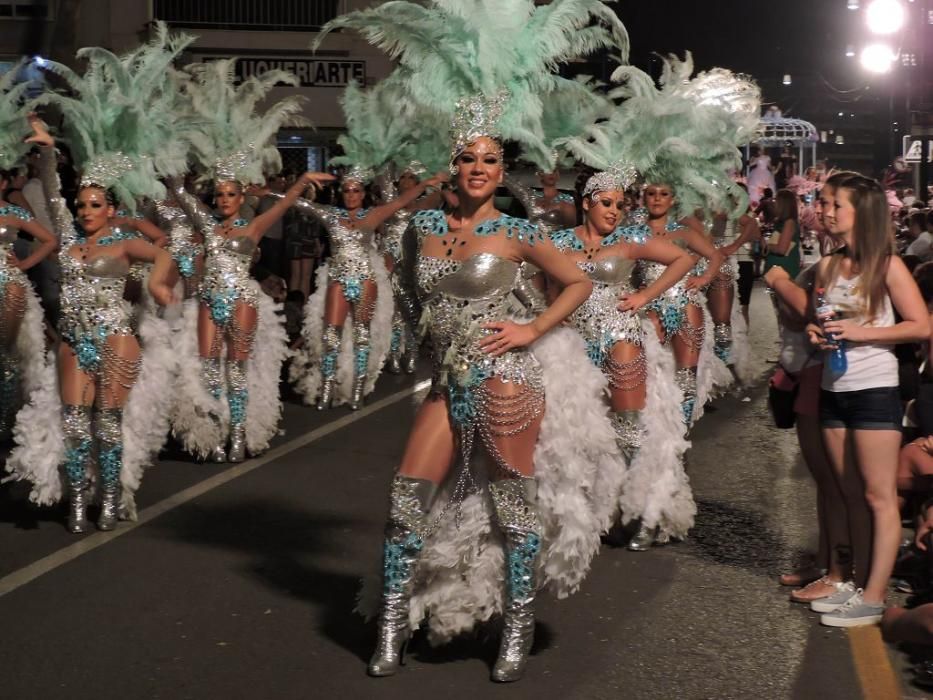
628,429
76,426
211,369
410,358
9,391
722,342
110,464
686,378
238,400
516,504
394,361
406,528
329,355
360,362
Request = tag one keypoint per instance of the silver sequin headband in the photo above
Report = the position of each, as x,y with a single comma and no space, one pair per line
361,175
615,179
107,170
475,117
230,168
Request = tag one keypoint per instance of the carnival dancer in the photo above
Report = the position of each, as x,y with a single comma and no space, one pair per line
489,387
682,138
654,490
235,144
339,362
122,142
22,341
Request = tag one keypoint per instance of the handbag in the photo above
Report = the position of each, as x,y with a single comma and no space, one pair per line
783,388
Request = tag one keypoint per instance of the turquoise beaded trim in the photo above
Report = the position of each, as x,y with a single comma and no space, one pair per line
434,222
15,212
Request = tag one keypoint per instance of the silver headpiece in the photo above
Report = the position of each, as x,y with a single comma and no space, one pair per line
107,170
415,167
476,116
361,175
616,179
232,167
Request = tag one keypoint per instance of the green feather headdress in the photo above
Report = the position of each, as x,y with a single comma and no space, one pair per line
235,141
486,64
570,109
14,113
120,120
686,133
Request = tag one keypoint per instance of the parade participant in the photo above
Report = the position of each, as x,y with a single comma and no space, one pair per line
22,343
682,137
339,363
860,408
489,388
654,490
234,146
122,142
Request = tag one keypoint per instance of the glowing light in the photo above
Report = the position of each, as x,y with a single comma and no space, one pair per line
885,16
850,50
877,58
41,62
787,80
852,4
839,140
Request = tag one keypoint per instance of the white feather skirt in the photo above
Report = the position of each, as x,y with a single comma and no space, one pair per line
656,488
460,577
305,370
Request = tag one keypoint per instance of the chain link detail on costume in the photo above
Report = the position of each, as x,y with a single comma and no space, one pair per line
686,379
627,376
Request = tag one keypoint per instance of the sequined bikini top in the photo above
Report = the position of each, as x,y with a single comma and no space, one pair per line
104,267
608,270
9,233
240,245
479,277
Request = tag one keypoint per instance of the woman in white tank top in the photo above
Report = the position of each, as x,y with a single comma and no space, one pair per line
860,408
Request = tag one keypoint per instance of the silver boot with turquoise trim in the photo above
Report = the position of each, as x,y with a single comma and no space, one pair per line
516,504
686,379
211,371
238,400
360,363
330,351
76,426
110,463
406,529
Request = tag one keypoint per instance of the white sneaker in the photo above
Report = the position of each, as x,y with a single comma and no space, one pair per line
844,591
855,613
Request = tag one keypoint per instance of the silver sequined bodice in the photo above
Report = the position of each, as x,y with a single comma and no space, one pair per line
226,268
175,223
8,235
599,319
458,297
648,272
92,297
350,248
394,230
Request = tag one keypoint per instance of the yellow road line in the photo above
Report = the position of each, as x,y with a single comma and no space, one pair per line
877,677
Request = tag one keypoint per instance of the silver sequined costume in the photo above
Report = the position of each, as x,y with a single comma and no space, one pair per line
184,248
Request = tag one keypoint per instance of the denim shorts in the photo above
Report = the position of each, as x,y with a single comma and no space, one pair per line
866,409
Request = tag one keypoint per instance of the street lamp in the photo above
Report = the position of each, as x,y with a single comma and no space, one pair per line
877,58
885,16
852,4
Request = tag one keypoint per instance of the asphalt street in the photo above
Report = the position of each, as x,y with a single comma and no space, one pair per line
239,582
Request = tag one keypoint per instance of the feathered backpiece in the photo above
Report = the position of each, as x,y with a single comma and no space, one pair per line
685,133
14,113
486,64
236,141
120,118
570,109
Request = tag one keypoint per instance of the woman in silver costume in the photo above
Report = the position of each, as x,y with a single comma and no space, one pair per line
485,383
612,330
729,233
17,301
99,357
185,243
403,348
351,290
229,302
558,206
678,313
